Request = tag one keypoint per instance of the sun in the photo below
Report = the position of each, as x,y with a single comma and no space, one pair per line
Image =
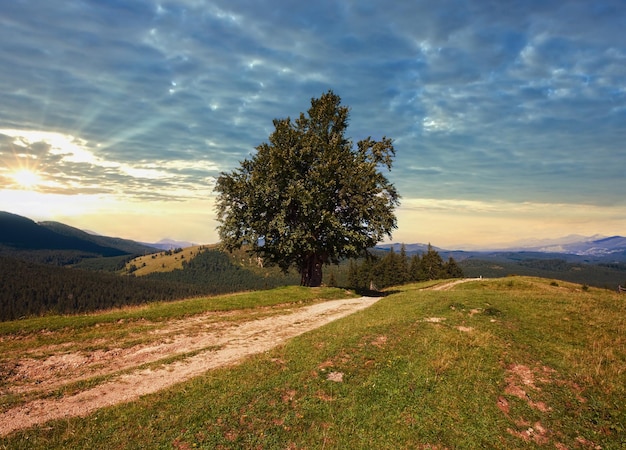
26,178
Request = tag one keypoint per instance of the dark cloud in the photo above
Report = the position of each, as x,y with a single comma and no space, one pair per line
501,100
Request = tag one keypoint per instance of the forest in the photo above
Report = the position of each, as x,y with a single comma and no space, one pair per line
218,272
393,269
33,289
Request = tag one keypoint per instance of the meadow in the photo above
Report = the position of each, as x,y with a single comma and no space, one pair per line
507,363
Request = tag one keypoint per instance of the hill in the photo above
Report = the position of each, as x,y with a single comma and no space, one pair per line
127,246
506,363
594,261
163,261
21,233
56,243
32,289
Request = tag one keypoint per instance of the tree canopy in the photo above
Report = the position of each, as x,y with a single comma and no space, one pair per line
309,196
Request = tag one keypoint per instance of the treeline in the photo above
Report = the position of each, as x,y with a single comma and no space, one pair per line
30,289
605,275
394,269
49,256
217,273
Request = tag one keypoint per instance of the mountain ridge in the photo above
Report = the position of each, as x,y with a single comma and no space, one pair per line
54,242
573,248
21,233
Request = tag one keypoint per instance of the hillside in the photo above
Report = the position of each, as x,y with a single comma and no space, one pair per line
163,261
505,363
602,275
58,244
126,246
599,262
24,234
32,289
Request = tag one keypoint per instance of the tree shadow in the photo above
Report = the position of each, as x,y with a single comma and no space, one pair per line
372,293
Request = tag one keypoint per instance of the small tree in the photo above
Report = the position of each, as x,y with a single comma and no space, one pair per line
452,269
415,268
309,197
431,264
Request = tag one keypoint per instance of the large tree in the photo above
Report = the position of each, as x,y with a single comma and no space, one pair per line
309,196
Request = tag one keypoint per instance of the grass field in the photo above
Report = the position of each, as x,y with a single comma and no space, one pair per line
507,363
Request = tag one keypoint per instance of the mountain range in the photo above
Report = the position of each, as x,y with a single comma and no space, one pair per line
20,234
573,248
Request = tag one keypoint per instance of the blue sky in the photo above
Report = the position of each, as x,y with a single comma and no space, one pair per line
509,118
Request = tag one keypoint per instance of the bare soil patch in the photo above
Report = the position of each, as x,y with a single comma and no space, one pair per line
179,351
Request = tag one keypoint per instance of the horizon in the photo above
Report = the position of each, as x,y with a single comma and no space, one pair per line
508,119
504,246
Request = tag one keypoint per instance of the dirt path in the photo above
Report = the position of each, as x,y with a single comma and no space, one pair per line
449,285
208,343
198,344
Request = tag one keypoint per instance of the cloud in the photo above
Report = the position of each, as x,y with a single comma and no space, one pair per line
70,166
505,101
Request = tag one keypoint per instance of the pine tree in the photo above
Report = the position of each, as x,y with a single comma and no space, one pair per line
431,267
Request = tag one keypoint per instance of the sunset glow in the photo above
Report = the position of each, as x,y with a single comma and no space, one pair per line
507,122
26,178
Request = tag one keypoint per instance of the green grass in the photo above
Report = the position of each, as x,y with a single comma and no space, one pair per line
127,327
420,369
161,311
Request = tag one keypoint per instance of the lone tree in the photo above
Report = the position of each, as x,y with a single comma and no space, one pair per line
309,197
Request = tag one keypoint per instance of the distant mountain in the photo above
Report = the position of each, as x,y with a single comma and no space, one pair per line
409,248
573,248
595,248
24,234
125,245
588,246
170,244
56,243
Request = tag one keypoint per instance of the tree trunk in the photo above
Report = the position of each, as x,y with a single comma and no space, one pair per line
311,271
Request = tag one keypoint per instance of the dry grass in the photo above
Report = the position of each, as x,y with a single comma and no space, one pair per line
164,261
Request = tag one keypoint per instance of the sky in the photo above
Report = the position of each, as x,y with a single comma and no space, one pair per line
508,117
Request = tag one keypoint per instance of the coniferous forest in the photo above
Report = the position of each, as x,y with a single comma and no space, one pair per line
216,273
394,269
31,289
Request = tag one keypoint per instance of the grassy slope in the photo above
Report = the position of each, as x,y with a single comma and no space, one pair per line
409,381
162,261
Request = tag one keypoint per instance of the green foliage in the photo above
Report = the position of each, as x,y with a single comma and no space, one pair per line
393,269
309,197
110,264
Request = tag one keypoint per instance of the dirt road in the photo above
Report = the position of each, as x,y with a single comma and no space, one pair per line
217,344
197,344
